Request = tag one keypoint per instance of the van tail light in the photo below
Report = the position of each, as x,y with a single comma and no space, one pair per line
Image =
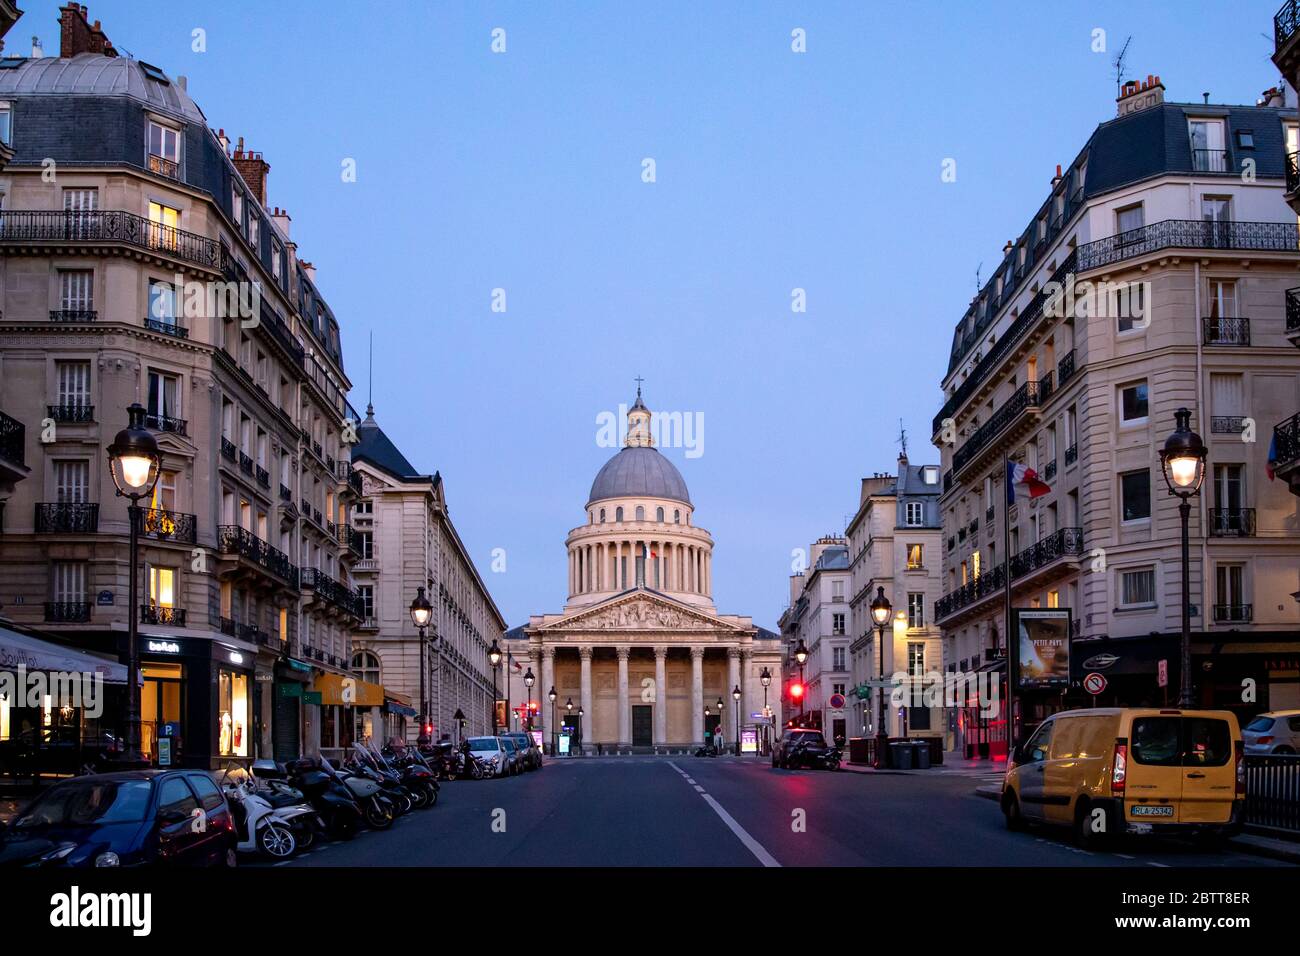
1120,770
1263,740
1239,751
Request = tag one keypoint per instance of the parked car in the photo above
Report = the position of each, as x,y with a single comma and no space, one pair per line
811,743
514,756
1108,771
124,819
1277,732
491,751
530,754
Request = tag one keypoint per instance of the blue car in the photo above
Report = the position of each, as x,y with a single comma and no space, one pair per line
129,818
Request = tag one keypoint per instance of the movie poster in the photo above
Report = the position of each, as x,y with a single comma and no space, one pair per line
1044,647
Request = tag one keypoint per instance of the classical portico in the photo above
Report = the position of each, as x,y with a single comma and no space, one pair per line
639,657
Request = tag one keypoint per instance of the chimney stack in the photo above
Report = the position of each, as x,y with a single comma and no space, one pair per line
308,268
77,35
252,168
1134,96
281,219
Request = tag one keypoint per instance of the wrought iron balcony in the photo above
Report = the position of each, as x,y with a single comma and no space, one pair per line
988,583
13,438
1049,470
988,514
1232,522
164,525
1211,161
64,517
245,632
228,450
153,614
332,528
1234,613
263,477
974,525
1225,331
1293,311
162,166
1286,448
28,228
340,595
1286,23
1061,543
246,464
71,414
286,494
1065,368
1292,172
1072,454
1189,234
67,612
1029,395
232,539
1227,424
166,423
70,315
167,327
350,539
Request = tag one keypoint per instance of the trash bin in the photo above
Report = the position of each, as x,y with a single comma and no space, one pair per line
921,754
900,755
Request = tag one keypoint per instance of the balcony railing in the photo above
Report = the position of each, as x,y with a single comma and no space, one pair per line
263,477
1049,470
1234,613
1293,172
163,166
1065,368
1211,160
1225,331
1286,443
1232,522
1058,544
164,525
1227,424
167,327
1286,23
1189,234
71,414
13,438
153,614
341,596
245,632
1293,309
286,493
1026,396
115,226
232,539
67,612
246,464
990,582
988,515
166,423
70,315
62,517
228,450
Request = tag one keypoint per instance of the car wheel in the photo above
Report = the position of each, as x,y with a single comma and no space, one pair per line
231,859
1284,749
1092,826
1011,813
276,841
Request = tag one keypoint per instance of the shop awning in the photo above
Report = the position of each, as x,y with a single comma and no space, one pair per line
354,693
396,707
37,655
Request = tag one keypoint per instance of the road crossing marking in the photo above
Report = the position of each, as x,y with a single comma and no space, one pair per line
754,847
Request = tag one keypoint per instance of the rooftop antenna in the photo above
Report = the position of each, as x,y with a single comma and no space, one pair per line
977,276
1119,67
370,389
902,437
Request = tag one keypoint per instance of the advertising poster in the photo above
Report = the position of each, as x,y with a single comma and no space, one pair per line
1044,647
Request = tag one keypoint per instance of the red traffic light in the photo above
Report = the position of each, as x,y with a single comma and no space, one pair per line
796,691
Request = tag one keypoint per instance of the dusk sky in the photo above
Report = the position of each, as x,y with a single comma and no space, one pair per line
774,171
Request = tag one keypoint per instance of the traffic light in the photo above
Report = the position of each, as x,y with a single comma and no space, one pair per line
796,691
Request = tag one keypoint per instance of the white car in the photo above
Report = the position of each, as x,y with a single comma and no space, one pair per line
1273,733
491,750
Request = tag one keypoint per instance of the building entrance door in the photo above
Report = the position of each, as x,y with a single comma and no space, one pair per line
642,733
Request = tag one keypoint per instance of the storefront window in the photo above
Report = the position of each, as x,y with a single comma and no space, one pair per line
160,709
233,707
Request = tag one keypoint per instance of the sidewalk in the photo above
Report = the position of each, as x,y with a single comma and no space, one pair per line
961,768
1257,844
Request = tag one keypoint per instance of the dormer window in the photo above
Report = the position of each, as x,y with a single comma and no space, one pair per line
6,119
164,150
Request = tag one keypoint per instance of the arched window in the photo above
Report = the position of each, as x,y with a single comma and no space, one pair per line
659,515
640,513
602,515
618,513
365,664
677,516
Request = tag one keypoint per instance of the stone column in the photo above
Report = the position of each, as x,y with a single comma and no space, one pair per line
548,681
661,695
697,696
747,703
624,707
584,697
733,681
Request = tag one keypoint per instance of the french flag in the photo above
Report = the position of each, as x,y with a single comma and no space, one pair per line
1028,478
1271,465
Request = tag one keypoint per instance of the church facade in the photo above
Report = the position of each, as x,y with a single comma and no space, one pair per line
639,658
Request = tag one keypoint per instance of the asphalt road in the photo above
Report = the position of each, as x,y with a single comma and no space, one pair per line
647,811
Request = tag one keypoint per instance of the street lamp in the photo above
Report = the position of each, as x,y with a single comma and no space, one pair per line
494,655
528,682
421,613
552,696
133,461
735,692
1183,462
460,718
765,678
881,611
801,655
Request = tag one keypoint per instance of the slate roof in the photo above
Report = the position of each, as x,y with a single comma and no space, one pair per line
376,448
639,471
93,74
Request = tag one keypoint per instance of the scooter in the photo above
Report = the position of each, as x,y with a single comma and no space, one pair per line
331,797
266,777
800,756
365,763
259,826
379,811
708,750
417,774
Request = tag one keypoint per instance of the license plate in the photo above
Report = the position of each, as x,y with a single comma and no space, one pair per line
1151,811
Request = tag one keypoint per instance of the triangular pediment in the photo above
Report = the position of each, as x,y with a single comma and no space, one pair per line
639,610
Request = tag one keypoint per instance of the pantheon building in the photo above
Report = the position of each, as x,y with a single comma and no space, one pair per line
640,657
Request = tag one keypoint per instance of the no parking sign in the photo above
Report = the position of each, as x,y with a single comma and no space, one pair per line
1094,684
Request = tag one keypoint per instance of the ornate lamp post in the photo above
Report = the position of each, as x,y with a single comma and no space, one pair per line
459,717
881,611
801,655
494,656
133,461
735,692
529,679
1183,462
552,695
765,678
421,613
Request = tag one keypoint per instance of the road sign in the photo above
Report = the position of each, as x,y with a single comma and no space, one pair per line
1162,672
1094,684
836,701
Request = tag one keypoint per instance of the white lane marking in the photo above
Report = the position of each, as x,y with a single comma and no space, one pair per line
754,847
690,779
1154,863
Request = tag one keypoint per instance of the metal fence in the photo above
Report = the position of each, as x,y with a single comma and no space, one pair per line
1273,791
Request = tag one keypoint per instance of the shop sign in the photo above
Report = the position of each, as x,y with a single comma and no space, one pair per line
291,689
154,646
104,598
1044,636
311,697
236,657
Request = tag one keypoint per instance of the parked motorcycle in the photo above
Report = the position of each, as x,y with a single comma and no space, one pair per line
814,758
376,806
708,750
333,800
259,826
364,763
416,774
266,777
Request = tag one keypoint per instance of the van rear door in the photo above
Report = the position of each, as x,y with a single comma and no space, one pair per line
1209,769
1154,781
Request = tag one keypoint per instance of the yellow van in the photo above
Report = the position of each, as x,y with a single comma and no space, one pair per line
1108,771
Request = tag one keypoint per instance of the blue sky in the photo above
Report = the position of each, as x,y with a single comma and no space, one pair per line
775,170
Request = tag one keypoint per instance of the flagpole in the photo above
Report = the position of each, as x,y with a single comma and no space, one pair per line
1012,641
